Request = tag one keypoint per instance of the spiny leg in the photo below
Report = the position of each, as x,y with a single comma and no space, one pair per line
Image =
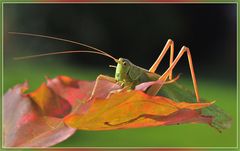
170,44
155,88
100,77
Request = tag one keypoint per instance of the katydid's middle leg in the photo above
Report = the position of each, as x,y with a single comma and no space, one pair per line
155,88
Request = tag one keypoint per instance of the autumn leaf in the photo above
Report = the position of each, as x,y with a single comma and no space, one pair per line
77,92
59,96
39,117
50,103
25,126
136,109
35,119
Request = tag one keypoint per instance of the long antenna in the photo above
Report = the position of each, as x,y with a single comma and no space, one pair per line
61,39
64,52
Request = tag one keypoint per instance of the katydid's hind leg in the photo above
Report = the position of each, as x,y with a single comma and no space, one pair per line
155,88
170,44
97,82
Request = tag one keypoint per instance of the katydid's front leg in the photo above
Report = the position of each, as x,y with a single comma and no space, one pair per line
97,84
119,84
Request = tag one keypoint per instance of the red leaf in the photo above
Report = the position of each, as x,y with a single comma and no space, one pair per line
73,91
51,104
78,92
24,124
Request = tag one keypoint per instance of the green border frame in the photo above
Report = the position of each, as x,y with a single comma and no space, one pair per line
116,2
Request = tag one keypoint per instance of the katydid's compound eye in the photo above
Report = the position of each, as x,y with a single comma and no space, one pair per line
124,63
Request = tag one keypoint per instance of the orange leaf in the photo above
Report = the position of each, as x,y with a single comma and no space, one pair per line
134,109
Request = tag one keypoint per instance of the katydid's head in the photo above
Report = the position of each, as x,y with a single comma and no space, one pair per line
123,66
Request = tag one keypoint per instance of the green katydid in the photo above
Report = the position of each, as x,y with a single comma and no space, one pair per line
127,74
